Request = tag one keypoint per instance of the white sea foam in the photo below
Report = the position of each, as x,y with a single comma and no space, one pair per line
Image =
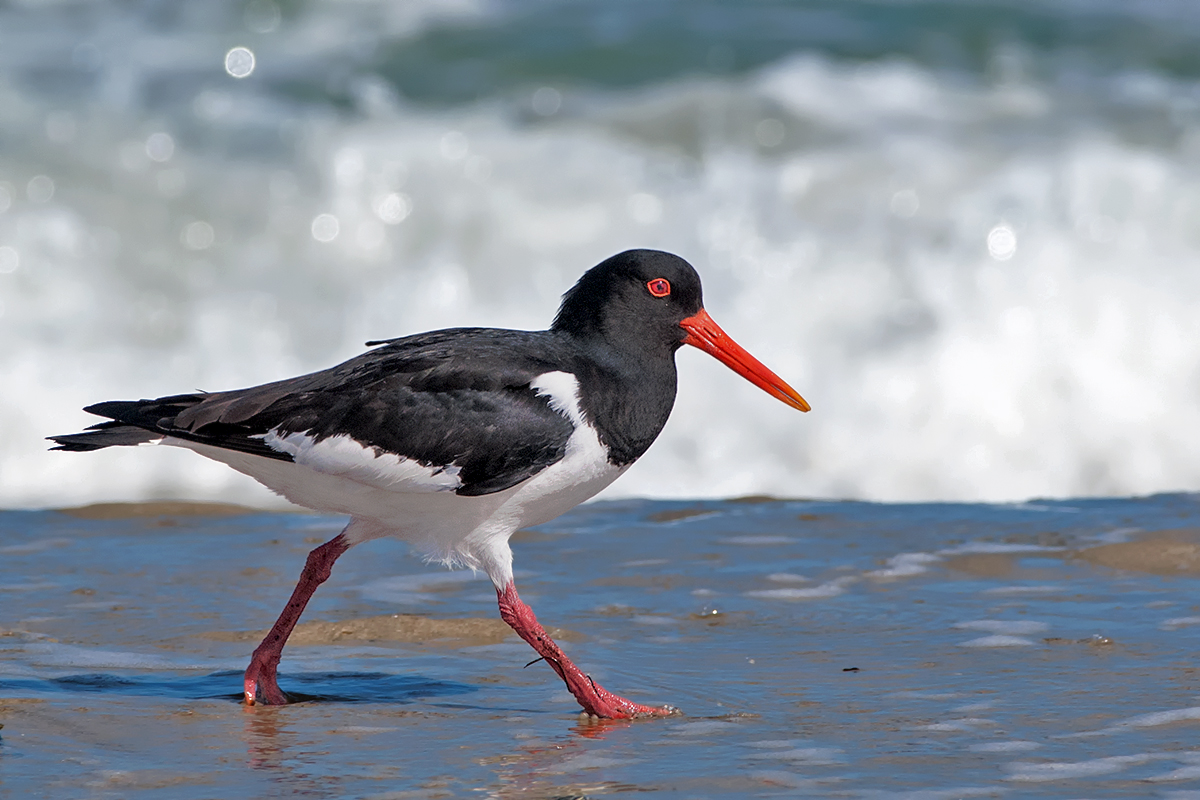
703,727
973,314
416,589
1150,720
1181,774
54,654
751,540
831,588
963,724
1037,589
908,565
1178,622
905,565
811,756
996,547
999,640
1029,772
1010,746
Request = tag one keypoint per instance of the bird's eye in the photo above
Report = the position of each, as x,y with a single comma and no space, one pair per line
659,287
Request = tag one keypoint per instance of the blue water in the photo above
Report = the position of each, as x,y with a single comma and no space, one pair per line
964,231
815,648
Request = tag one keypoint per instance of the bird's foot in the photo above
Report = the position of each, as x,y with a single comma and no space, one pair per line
606,705
599,702
260,686
595,699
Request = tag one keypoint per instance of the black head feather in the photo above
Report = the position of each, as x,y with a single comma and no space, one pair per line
612,301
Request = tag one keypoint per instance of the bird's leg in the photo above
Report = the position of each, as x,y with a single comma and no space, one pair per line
260,675
594,698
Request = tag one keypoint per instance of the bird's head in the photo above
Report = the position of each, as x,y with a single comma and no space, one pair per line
651,301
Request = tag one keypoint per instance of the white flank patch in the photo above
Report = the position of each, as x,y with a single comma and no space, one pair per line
343,456
561,389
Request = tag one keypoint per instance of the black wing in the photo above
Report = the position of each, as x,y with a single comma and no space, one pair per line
447,398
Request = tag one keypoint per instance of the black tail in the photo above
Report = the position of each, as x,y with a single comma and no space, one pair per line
105,434
129,422
141,421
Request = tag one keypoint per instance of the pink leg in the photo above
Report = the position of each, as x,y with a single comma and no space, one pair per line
594,698
260,675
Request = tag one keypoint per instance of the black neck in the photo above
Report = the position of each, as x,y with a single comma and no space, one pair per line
627,397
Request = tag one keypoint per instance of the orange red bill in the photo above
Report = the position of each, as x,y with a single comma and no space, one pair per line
704,333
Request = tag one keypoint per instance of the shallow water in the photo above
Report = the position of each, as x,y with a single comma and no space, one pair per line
818,649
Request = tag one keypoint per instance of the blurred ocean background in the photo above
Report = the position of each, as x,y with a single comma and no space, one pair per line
968,232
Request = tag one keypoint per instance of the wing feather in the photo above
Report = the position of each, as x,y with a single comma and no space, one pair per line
457,399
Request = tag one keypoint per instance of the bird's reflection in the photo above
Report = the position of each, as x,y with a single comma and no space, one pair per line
268,737
543,768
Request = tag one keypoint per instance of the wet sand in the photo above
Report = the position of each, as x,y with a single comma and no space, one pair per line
1169,552
411,628
161,510
816,649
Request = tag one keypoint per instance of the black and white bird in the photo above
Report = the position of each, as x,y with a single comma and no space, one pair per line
452,440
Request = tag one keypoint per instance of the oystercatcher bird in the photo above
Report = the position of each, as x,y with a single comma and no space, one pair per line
452,440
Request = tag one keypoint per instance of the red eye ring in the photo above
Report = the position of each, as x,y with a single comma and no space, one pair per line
659,287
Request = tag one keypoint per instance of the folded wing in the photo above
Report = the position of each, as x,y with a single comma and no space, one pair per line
455,403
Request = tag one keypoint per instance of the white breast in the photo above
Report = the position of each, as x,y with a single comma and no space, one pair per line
583,470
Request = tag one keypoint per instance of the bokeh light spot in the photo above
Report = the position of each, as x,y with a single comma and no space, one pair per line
9,260
325,227
160,147
40,189
262,16
198,235
1002,242
393,208
546,101
770,132
239,62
